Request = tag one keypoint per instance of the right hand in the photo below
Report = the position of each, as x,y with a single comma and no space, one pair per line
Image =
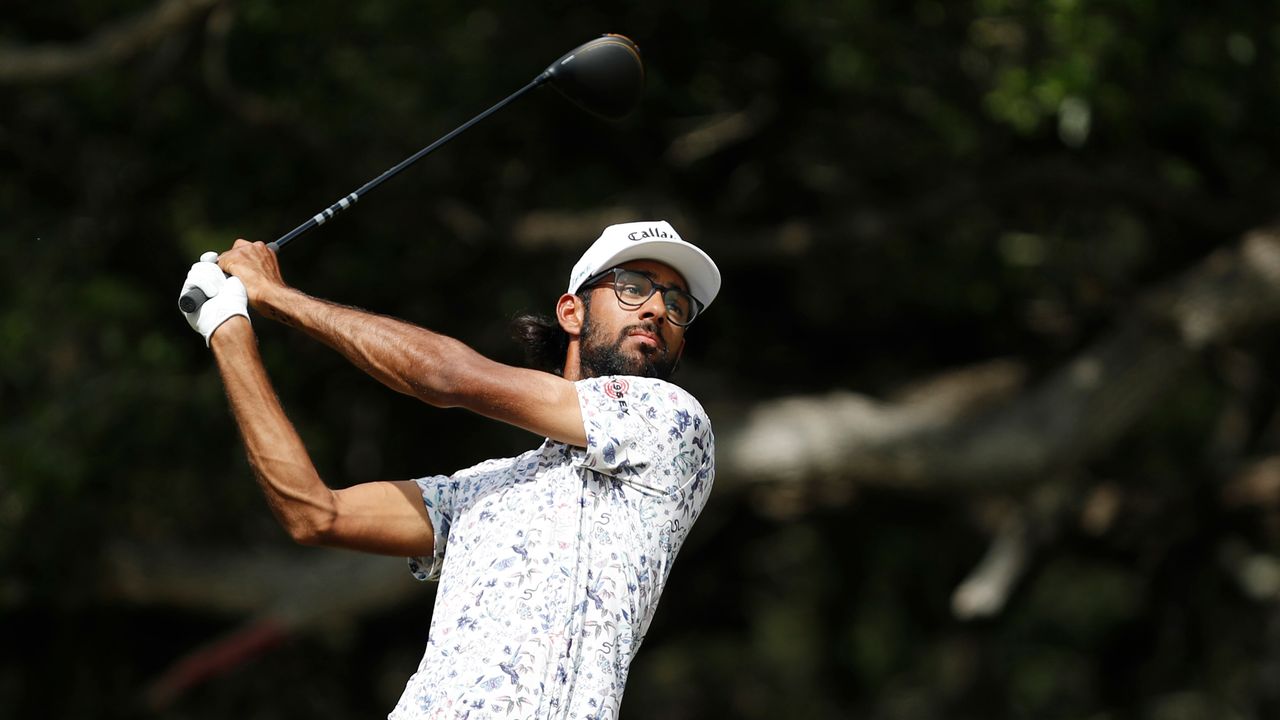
256,266
227,296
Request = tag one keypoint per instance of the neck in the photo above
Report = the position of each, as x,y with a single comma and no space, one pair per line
573,362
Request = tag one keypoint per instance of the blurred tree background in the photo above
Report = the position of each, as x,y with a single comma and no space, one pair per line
992,371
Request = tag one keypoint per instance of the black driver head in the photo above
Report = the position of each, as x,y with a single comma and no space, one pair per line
604,76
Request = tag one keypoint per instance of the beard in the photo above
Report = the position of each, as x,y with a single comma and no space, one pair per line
601,356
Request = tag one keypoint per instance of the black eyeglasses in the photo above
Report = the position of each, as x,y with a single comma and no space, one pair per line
634,289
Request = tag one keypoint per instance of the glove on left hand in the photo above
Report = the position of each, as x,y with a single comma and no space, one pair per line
227,296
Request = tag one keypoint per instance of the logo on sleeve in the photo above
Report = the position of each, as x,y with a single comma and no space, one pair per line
616,388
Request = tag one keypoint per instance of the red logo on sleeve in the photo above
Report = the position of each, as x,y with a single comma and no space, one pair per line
616,388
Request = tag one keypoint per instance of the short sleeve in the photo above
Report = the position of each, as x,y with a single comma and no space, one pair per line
649,434
438,496
444,497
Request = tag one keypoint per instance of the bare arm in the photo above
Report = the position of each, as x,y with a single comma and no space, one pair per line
436,369
380,517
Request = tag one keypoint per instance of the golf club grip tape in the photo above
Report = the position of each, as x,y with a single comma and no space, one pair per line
334,209
191,300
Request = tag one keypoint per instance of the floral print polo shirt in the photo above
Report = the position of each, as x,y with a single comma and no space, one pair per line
551,563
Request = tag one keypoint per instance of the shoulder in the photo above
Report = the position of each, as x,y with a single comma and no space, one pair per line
656,402
640,428
638,390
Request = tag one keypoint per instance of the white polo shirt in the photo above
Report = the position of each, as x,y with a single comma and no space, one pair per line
551,563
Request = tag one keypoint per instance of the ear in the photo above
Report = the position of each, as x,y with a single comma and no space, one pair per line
570,313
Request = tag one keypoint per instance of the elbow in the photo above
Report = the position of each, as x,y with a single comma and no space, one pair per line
449,388
437,394
310,535
313,527
456,377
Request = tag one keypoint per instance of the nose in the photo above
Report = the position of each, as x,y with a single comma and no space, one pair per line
655,307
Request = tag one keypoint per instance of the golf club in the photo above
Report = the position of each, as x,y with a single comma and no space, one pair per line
603,76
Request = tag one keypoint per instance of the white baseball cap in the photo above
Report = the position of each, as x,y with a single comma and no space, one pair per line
655,240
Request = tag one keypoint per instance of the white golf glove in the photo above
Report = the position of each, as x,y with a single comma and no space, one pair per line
227,297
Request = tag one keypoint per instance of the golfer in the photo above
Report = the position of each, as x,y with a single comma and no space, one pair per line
550,563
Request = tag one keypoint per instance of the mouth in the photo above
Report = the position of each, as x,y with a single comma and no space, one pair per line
647,339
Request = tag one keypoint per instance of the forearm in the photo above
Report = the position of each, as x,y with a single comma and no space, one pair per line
405,357
293,489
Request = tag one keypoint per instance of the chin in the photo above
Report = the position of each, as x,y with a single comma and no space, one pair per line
618,359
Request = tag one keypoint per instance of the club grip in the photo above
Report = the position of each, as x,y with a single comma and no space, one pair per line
191,300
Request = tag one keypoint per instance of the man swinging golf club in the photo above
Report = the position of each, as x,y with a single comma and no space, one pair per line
550,563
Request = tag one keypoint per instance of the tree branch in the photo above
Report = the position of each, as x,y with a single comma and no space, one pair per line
1072,416
112,44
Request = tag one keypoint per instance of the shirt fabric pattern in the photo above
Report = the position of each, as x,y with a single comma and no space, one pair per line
556,559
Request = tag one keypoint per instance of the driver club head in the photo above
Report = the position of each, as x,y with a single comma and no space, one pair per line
604,76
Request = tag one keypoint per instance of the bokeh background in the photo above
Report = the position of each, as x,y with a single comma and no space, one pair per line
993,370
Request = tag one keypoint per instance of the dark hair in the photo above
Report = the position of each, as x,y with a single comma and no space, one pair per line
545,342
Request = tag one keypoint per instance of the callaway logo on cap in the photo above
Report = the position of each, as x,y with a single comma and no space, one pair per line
655,240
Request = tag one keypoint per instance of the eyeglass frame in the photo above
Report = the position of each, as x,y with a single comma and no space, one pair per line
593,281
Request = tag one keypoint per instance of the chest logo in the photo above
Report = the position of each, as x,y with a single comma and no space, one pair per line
616,388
